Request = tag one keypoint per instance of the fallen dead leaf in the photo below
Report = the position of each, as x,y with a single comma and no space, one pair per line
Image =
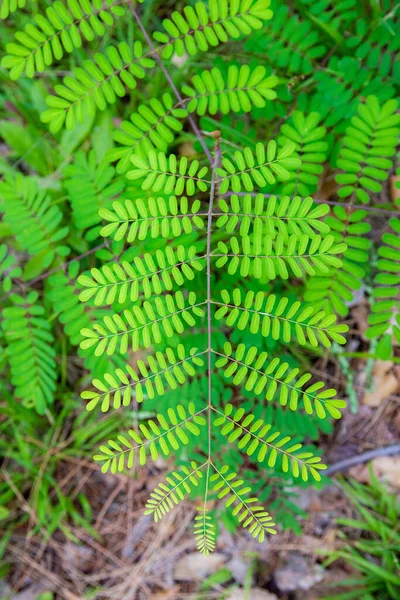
195,567
395,188
387,468
385,383
253,594
296,573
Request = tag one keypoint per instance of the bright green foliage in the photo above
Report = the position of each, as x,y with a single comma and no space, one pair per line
159,218
271,216
160,370
33,221
30,351
333,17
145,325
62,30
278,317
8,270
384,319
311,148
265,257
239,90
10,6
290,43
146,277
369,142
204,532
164,434
378,47
152,126
208,25
96,84
276,378
334,291
256,437
169,174
164,497
249,170
246,509
370,543
90,186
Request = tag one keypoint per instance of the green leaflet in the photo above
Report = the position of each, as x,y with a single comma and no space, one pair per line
291,44
257,438
334,290
249,169
30,350
145,325
269,216
63,29
204,532
147,276
90,186
266,257
95,85
369,143
243,89
152,126
246,510
165,434
169,174
10,6
278,317
178,485
311,149
162,369
207,25
33,221
384,319
276,379
7,269
155,218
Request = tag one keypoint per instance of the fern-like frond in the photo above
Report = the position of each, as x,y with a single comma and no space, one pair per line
263,256
8,270
311,148
158,217
377,47
278,380
249,170
241,89
172,175
263,215
90,186
246,509
30,351
145,325
165,434
10,6
161,370
204,532
204,25
256,438
278,317
149,276
334,290
370,141
334,16
152,126
33,220
178,485
288,43
384,319
96,84
62,30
